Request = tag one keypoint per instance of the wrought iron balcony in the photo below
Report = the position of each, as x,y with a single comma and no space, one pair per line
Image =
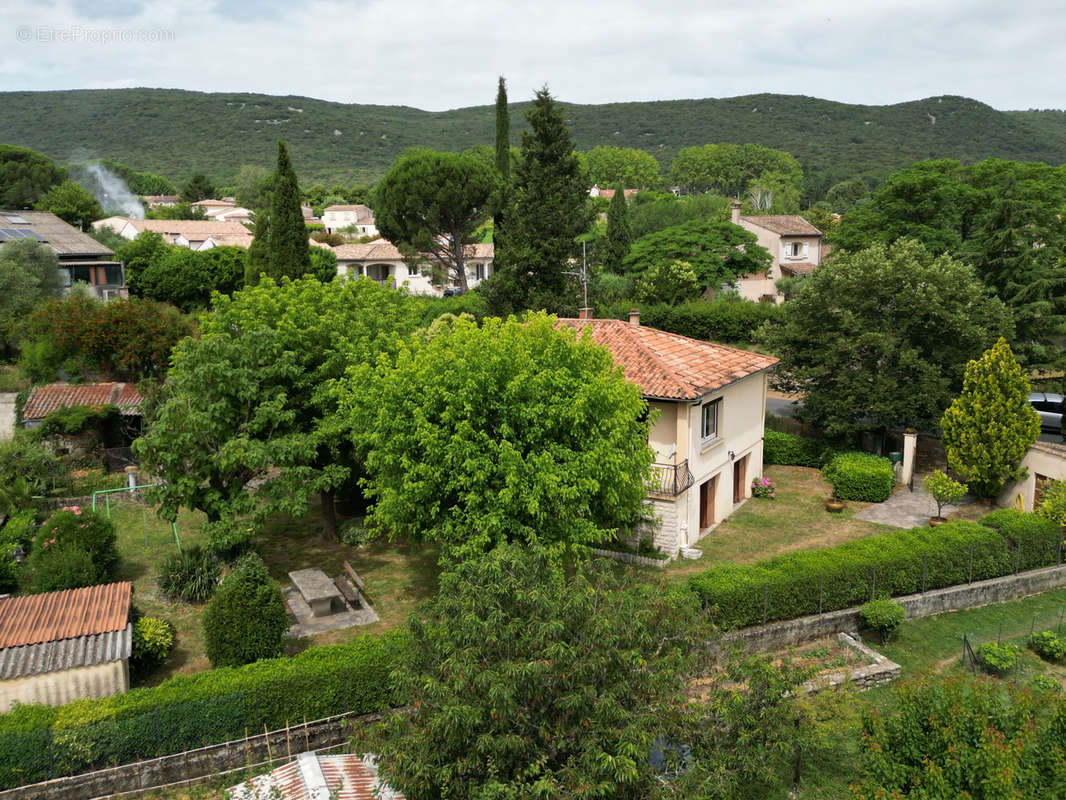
670,479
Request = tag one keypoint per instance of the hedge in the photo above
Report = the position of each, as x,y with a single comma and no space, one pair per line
795,451
189,711
860,476
724,320
1034,539
806,582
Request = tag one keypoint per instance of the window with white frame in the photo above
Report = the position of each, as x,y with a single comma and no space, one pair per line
795,249
709,415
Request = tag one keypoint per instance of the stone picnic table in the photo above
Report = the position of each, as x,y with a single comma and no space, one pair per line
317,590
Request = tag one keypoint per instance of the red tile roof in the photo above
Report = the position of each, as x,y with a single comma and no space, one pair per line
784,224
45,399
345,777
48,617
669,366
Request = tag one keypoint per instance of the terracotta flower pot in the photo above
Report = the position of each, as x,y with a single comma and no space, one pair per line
935,521
834,506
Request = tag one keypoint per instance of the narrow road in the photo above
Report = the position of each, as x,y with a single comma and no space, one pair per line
7,415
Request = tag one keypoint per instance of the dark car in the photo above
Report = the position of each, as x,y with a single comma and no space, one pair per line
1049,407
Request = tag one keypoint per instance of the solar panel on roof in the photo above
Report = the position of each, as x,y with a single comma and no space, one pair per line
16,219
10,234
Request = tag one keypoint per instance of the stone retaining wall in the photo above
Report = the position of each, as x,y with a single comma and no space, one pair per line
631,558
880,671
775,635
193,765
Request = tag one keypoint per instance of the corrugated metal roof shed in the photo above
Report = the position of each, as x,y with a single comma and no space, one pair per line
52,616
82,651
318,777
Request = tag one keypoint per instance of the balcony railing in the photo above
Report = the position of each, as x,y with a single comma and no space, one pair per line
670,479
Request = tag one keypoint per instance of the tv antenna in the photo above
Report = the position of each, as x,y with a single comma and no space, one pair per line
582,276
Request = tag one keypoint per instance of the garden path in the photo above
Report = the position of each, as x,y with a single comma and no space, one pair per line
7,415
907,509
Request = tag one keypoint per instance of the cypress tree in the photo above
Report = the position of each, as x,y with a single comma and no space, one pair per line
290,254
547,211
619,235
503,132
257,260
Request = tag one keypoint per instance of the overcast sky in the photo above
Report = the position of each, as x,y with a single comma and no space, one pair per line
440,54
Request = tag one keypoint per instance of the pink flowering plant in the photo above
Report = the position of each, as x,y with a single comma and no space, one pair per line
764,487
73,526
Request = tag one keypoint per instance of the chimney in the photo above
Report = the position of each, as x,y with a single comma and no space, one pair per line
634,316
584,313
734,216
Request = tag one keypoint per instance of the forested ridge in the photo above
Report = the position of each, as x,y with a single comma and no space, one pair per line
178,133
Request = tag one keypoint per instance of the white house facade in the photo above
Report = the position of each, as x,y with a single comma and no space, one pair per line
709,401
382,261
795,247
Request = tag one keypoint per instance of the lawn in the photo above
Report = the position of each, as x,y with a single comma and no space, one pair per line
398,575
795,520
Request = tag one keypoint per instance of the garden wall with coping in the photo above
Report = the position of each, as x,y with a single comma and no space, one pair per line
776,635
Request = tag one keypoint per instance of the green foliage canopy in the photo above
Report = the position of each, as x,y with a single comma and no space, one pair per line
72,204
513,431
624,167
730,169
882,337
25,176
29,272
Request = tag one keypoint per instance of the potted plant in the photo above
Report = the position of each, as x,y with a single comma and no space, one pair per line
944,490
834,504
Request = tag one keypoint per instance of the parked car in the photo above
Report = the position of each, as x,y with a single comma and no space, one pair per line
1049,406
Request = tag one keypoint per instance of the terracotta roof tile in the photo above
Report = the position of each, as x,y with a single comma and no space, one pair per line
345,777
798,269
45,399
669,366
784,224
190,228
48,617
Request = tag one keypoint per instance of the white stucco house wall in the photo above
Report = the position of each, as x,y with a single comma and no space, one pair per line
57,647
195,234
357,217
1044,462
381,260
795,247
708,435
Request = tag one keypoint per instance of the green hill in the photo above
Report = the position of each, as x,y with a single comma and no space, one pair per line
177,133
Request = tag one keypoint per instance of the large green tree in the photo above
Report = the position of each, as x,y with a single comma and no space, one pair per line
198,188
253,397
25,175
72,204
547,210
882,337
621,166
718,252
186,279
990,426
253,187
290,254
513,431
529,680
432,203
29,272
731,169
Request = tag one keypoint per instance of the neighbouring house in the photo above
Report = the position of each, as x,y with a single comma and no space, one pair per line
794,244
596,191
43,400
381,260
1044,462
161,200
359,218
196,234
710,402
225,211
314,776
82,259
57,647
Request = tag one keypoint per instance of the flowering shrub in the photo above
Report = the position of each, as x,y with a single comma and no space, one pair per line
763,487
71,526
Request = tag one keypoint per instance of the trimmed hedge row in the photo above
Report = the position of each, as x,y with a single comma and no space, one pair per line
1033,539
720,320
803,583
189,711
795,451
860,476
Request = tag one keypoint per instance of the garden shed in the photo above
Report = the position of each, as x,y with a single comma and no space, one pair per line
61,646
319,777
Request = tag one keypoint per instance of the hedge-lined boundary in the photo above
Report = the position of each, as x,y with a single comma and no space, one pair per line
189,711
898,563
860,476
796,451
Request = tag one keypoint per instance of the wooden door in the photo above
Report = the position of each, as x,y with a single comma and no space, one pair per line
740,477
707,492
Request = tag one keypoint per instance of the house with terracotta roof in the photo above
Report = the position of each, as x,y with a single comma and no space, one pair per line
708,402
358,218
82,259
382,261
794,244
316,776
196,234
57,647
43,400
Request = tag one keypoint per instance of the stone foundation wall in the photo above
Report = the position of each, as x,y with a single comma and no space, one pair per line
667,535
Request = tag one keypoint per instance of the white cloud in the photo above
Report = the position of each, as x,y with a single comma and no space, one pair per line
445,54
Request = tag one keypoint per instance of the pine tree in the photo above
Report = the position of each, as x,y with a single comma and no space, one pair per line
290,254
198,188
258,259
991,425
548,209
619,236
